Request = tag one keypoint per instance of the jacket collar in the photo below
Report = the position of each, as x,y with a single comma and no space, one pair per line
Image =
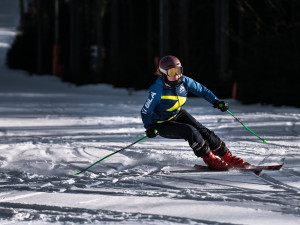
162,83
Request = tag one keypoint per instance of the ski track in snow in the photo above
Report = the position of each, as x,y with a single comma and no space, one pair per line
41,151
50,130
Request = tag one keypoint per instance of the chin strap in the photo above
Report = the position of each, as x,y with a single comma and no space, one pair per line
172,84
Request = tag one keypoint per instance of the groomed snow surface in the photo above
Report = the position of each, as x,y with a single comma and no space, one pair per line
50,130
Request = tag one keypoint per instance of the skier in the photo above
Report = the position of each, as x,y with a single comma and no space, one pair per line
162,114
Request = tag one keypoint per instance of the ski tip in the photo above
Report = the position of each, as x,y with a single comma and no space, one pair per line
281,165
258,172
264,141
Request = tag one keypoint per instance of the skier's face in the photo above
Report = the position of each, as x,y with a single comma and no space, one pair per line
174,78
175,73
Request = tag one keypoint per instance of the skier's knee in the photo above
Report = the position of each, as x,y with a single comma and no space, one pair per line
191,131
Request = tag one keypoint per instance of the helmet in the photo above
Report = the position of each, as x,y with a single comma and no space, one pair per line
165,67
168,62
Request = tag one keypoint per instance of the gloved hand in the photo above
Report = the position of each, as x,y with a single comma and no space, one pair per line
151,132
223,106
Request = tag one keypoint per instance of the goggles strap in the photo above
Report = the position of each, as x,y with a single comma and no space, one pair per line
163,71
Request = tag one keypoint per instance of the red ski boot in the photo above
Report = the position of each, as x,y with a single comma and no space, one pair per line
215,162
234,161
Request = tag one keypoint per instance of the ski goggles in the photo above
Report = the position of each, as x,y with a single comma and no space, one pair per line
173,71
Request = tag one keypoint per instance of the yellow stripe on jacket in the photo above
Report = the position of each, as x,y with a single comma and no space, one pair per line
179,101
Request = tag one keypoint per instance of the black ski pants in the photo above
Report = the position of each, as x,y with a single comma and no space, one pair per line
185,126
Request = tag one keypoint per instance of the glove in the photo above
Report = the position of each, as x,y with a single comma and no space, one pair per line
221,105
151,132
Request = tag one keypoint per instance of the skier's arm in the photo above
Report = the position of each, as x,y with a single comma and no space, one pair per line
200,90
153,99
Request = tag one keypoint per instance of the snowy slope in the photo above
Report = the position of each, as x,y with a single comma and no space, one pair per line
51,130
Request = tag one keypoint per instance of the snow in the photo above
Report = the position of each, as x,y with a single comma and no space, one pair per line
51,130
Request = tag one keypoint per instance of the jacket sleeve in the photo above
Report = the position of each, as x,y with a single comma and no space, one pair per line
150,104
200,90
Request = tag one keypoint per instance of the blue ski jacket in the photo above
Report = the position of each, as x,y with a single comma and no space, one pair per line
164,102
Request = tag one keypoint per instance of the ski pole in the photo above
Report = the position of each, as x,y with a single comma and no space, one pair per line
110,155
263,140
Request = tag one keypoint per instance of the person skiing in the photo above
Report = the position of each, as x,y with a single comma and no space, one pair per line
162,114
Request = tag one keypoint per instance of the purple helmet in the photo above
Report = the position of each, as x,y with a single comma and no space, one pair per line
168,62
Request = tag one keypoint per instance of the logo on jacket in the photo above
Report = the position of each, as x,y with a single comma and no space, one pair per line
182,89
149,100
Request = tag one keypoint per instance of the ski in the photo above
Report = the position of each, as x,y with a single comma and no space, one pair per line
253,168
201,168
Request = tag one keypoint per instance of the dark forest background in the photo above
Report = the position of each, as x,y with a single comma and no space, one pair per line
245,49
